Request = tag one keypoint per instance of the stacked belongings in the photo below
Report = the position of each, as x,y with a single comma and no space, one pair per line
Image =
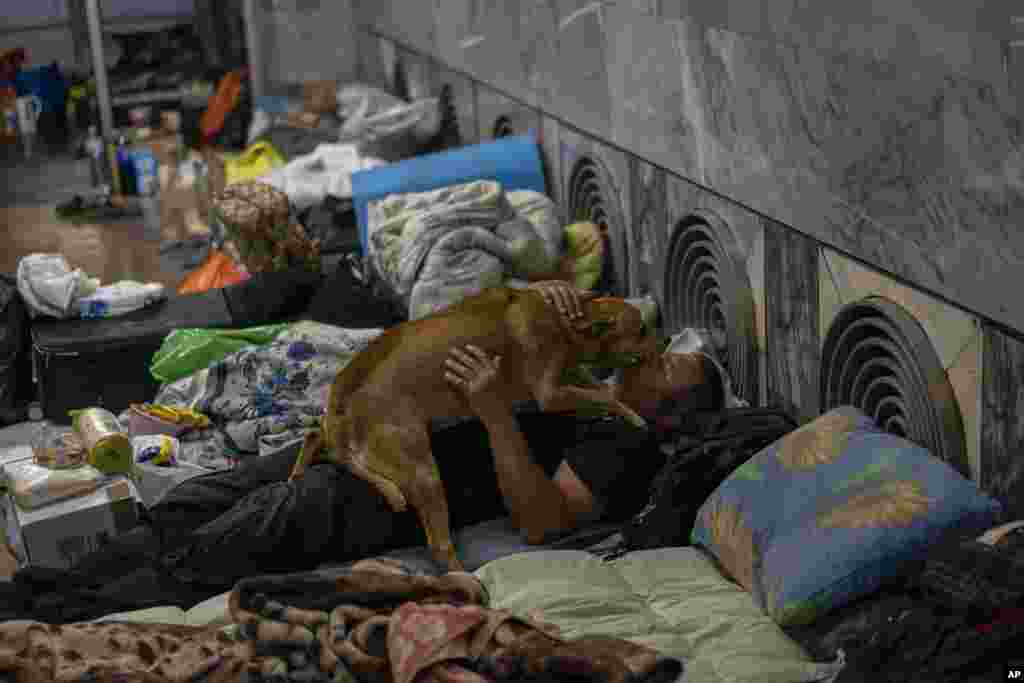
260,229
65,493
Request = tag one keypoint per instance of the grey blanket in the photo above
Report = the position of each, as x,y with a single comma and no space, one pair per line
436,248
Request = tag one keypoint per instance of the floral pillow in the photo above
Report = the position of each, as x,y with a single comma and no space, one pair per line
825,514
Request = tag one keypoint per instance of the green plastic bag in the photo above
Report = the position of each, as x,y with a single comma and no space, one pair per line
192,349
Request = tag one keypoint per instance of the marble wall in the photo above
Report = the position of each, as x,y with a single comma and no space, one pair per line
880,155
892,135
793,352
307,40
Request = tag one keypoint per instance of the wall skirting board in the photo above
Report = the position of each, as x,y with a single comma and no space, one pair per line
823,273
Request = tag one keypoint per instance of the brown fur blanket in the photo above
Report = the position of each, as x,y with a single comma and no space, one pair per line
376,621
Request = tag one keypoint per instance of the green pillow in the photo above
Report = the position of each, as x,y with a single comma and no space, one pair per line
583,262
671,599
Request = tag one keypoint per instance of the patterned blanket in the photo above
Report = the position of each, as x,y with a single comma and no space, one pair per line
374,621
262,398
435,248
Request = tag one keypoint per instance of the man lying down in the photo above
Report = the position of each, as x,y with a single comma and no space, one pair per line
551,473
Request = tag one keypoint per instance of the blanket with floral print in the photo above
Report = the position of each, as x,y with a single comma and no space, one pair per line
261,398
375,621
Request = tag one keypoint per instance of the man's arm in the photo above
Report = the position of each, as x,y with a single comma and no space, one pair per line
537,504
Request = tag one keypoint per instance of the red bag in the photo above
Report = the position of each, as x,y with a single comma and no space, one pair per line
217,272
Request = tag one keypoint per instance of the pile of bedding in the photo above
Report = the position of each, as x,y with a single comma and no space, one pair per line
438,247
373,621
261,398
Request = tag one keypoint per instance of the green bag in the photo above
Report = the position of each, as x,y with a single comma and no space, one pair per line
189,350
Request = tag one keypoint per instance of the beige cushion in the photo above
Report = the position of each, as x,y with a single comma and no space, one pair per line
672,599
210,612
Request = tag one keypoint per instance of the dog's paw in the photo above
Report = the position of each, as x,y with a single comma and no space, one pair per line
631,416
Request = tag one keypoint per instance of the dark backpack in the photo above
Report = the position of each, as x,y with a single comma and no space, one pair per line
707,449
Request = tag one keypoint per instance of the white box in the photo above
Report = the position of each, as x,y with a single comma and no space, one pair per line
13,454
156,480
59,534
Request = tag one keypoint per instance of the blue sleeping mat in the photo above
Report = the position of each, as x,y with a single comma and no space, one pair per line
515,162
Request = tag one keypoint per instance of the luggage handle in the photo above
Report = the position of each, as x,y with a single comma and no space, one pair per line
45,355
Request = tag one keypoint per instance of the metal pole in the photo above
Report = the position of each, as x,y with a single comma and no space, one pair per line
94,17
252,46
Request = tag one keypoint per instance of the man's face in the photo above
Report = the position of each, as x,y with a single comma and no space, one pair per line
659,387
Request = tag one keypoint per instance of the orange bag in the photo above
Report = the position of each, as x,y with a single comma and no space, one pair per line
221,104
217,272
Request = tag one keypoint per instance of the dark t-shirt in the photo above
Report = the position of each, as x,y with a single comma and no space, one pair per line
615,460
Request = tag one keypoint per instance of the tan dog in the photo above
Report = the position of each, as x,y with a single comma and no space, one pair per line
381,404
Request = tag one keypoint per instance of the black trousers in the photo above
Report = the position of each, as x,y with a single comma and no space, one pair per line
211,531
225,525
208,524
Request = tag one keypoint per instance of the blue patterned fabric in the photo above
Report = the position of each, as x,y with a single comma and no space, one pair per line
829,511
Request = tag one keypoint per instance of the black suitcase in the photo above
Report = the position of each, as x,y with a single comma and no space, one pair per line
105,362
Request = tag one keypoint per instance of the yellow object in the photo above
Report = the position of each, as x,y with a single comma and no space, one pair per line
109,448
257,160
583,262
173,414
166,449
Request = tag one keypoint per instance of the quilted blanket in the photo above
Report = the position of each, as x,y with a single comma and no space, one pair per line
261,398
435,248
373,621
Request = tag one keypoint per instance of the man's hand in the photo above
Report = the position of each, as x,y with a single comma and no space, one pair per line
563,296
475,373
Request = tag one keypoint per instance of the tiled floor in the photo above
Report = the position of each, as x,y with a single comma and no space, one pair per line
29,191
125,250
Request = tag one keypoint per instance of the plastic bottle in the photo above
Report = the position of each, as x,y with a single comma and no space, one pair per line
94,148
126,167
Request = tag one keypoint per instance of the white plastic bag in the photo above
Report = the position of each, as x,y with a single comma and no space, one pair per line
327,171
119,298
360,101
384,126
50,286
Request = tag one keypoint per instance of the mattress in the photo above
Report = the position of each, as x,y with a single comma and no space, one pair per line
672,599
476,545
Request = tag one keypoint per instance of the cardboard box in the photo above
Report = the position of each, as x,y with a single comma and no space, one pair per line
58,535
13,454
320,97
182,208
